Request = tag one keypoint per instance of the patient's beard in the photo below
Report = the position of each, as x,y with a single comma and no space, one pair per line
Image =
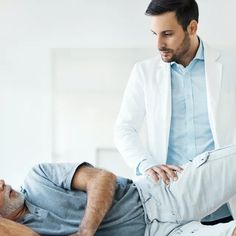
11,204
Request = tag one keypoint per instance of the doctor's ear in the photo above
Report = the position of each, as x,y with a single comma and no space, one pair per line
192,27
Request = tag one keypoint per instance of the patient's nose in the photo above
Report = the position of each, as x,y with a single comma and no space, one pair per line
2,183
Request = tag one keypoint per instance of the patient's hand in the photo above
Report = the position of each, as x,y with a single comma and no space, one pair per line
164,172
11,228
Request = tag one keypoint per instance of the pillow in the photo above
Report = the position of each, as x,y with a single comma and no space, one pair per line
11,228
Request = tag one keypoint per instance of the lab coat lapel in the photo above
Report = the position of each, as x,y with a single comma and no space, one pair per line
213,74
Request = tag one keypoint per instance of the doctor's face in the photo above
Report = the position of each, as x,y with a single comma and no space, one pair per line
172,41
10,200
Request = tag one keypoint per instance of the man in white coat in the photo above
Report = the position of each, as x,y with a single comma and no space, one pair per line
187,95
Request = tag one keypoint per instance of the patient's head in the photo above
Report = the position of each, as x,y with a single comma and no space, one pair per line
10,200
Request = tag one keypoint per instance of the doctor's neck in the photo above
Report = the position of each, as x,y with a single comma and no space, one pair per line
186,59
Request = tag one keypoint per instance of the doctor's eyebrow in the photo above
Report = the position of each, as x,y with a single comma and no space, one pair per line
153,32
163,32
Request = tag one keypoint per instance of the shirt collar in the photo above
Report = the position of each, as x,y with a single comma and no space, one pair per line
200,52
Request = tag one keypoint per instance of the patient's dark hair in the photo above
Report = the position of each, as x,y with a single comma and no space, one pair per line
185,10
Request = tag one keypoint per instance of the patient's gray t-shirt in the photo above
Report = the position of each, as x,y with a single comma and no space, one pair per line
56,209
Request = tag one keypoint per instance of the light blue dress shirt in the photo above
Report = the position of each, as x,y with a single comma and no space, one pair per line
190,132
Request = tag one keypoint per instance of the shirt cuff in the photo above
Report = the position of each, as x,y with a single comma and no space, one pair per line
144,165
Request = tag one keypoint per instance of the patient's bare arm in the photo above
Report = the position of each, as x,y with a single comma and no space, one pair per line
100,188
12,228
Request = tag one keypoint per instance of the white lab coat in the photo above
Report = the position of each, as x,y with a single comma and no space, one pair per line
148,95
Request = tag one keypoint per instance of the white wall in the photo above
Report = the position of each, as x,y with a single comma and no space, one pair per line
25,106
88,86
217,22
31,28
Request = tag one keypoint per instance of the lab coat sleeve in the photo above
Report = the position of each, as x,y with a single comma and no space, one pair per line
129,123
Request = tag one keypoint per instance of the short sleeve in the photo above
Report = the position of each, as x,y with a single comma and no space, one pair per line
58,174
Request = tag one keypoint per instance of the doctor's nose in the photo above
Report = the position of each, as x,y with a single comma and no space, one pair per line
2,184
160,43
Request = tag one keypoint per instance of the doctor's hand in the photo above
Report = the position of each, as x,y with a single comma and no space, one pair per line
164,172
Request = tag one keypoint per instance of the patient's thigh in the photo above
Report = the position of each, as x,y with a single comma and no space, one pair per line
204,185
195,228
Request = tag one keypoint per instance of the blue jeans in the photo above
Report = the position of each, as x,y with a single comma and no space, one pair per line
204,185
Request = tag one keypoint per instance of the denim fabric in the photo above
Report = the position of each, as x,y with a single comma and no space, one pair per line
205,183
56,209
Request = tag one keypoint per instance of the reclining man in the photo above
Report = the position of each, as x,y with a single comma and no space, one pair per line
78,199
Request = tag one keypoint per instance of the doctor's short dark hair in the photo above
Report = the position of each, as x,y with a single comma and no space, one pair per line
185,10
